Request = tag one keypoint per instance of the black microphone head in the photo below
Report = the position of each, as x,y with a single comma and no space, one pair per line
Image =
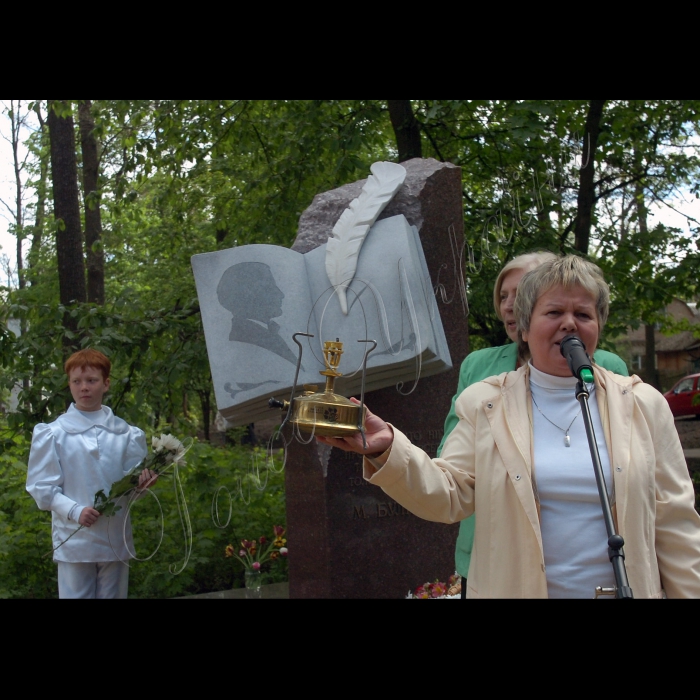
570,341
573,350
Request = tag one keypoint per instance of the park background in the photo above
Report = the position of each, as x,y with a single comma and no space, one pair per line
105,201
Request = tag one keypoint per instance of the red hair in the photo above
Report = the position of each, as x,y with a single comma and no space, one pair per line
88,358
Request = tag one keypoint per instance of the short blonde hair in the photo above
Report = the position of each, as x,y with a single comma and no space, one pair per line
566,271
525,262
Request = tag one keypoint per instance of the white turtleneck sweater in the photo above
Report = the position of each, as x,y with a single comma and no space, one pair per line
573,529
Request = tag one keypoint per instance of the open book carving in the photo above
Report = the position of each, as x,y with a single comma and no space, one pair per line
254,298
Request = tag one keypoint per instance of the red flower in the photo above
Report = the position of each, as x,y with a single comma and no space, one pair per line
438,589
278,530
229,550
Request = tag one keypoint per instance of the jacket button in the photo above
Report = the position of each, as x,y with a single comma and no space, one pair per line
489,405
618,469
517,477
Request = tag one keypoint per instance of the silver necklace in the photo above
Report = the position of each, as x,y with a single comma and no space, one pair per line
567,437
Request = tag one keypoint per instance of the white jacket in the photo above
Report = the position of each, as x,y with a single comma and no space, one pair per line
72,459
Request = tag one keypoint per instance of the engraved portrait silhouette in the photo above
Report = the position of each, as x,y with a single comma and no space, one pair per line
248,290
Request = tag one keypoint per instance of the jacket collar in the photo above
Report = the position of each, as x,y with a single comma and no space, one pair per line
73,421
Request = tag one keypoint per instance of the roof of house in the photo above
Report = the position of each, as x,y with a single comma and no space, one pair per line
677,342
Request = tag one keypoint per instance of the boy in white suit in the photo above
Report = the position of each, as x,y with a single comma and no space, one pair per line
84,450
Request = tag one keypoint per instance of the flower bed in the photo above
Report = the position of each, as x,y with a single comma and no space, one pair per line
438,590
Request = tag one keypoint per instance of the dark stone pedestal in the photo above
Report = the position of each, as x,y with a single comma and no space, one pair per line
347,538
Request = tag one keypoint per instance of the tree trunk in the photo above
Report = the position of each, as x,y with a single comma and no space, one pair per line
651,374
91,197
205,400
406,129
69,244
586,190
38,231
221,233
15,126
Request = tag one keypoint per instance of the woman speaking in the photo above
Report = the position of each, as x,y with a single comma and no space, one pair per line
519,458
504,358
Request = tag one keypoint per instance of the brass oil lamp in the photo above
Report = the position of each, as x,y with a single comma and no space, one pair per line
325,413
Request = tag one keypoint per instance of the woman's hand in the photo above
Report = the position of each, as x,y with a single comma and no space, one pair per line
378,434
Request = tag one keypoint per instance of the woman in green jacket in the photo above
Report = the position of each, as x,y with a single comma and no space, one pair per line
493,361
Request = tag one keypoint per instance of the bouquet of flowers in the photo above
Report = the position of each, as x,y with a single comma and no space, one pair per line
253,554
167,451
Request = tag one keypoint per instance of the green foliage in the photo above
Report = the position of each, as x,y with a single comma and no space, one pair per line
25,532
520,165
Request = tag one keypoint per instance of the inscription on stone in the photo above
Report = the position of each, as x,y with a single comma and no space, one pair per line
359,512
390,508
379,510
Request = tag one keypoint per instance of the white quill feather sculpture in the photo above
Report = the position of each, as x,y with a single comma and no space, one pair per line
343,248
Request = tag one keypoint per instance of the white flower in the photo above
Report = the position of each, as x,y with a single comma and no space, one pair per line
170,443
169,448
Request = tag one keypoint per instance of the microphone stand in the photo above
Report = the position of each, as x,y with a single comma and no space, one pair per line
616,555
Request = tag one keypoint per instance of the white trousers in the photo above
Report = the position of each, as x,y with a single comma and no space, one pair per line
103,579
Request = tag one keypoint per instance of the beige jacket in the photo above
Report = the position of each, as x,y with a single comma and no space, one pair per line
486,465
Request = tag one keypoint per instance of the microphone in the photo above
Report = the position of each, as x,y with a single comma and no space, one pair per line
574,351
